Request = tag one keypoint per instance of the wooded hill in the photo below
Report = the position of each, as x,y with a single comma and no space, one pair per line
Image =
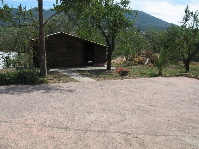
143,20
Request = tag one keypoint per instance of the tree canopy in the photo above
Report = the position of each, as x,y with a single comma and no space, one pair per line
104,16
186,37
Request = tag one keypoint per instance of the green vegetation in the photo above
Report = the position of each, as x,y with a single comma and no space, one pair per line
145,21
12,76
139,71
31,76
110,23
186,37
105,17
21,77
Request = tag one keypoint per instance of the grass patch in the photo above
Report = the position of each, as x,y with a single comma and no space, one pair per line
139,71
12,76
194,68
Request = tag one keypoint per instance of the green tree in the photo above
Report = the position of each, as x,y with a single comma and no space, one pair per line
130,42
5,12
60,23
21,18
16,35
104,16
17,40
187,37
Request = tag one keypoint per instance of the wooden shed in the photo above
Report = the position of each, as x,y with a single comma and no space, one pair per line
66,50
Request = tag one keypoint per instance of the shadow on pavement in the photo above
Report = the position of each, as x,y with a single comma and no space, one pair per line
45,88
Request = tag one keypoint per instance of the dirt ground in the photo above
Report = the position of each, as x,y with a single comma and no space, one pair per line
147,113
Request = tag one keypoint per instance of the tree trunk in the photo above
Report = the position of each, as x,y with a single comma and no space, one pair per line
43,68
160,72
109,58
186,64
110,51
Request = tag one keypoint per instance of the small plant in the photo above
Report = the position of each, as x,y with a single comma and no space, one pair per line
122,71
162,60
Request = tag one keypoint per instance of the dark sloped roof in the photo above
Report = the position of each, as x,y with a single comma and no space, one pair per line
74,36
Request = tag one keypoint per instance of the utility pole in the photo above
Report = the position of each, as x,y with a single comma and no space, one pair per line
42,51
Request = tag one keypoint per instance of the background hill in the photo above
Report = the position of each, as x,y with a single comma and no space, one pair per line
143,21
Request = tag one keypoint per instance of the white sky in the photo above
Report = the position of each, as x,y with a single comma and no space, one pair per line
171,11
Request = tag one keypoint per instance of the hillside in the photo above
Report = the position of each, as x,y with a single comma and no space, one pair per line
143,21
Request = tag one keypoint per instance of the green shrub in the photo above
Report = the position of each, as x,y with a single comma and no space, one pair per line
29,76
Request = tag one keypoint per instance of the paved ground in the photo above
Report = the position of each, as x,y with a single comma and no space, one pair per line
148,113
69,72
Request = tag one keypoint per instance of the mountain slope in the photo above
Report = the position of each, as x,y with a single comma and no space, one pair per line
143,21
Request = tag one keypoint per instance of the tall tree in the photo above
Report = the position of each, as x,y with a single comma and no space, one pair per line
187,37
129,43
43,68
105,16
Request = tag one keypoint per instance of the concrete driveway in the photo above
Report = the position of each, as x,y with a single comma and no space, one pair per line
147,113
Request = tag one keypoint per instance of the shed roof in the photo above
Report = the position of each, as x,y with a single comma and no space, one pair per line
74,36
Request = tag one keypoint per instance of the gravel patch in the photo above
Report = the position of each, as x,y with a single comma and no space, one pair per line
151,113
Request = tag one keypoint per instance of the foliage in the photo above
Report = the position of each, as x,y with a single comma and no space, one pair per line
138,71
161,44
129,43
161,61
17,40
5,12
21,77
60,23
103,16
186,37
16,37
15,16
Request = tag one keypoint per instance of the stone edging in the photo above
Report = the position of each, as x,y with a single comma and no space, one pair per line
189,75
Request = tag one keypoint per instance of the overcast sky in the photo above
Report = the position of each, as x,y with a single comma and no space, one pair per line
171,11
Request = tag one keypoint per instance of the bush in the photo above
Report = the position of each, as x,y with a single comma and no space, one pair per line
122,71
29,76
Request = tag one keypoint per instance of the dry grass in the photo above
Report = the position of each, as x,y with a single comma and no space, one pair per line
57,77
139,71
7,70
